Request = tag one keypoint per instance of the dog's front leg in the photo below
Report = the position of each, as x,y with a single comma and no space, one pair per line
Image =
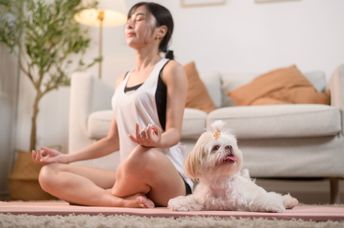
185,203
267,202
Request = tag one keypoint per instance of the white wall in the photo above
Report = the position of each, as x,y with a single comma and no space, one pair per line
240,36
246,36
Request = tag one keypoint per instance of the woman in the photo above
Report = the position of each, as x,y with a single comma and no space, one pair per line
148,109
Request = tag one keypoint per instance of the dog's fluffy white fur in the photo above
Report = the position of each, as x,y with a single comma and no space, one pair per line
215,162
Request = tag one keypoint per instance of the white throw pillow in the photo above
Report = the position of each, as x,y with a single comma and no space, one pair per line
212,81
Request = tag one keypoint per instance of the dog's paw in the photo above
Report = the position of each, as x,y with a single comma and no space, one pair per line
274,207
269,202
289,201
178,204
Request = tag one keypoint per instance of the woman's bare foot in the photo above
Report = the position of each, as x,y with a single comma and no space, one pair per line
138,200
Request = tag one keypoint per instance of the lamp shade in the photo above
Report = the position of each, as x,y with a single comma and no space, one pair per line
92,17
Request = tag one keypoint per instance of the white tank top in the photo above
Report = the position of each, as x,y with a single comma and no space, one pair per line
139,106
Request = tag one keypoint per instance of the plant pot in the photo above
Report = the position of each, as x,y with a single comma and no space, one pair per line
23,180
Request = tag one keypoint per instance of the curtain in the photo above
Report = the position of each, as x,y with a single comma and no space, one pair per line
8,108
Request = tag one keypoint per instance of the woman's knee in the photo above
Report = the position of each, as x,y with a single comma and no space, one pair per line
134,175
46,176
145,160
140,163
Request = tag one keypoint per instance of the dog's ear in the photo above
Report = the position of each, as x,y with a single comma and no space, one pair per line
193,162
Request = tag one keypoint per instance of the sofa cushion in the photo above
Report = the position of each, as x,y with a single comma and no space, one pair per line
279,121
197,94
286,84
318,79
194,123
98,124
231,81
212,81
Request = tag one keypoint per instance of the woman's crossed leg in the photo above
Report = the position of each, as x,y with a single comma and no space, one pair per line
146,172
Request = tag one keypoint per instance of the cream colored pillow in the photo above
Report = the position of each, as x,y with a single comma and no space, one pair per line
197,95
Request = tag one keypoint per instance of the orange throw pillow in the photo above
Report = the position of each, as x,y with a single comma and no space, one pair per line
197,95
284,85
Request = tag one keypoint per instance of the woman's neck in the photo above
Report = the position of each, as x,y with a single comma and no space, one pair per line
146,59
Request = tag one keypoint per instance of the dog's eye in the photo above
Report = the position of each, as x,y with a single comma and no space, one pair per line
215,148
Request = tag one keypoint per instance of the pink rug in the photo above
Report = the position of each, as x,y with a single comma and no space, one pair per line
304,212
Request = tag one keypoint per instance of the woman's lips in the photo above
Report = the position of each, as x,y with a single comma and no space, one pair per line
130,34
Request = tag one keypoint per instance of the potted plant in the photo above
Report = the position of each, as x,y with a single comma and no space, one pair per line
50,45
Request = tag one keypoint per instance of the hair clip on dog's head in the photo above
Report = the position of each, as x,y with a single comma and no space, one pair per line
217,134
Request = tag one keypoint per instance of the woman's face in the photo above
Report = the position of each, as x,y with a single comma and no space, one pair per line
140,28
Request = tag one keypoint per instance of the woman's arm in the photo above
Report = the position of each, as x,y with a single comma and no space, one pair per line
102,147
174,77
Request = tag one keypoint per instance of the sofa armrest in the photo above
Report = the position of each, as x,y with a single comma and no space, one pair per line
336,87
88,94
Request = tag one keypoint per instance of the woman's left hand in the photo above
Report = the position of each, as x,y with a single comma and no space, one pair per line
147,137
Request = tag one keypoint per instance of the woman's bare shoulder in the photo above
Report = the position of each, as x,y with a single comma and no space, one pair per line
173,70
173,65
120,78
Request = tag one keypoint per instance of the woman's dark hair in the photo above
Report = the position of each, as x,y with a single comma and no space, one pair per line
163,17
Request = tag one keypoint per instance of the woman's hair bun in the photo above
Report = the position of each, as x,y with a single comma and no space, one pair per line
169,54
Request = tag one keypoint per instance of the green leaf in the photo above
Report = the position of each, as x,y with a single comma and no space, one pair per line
50,41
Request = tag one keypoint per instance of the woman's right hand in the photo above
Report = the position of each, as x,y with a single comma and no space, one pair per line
47,155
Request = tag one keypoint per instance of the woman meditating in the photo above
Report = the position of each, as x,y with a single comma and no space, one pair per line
148,106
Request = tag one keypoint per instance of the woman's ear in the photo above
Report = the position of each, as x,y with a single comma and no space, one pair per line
161,32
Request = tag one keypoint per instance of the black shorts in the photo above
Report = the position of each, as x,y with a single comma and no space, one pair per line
188,190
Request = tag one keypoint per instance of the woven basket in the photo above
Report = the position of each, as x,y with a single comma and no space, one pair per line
23,181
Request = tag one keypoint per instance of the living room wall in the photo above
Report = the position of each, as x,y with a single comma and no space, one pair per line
239,36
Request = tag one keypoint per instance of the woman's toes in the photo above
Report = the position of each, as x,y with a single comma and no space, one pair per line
145,202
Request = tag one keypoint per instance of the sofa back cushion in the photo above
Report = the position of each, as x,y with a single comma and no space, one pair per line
212,81
197,94
231,81
284,85
279,121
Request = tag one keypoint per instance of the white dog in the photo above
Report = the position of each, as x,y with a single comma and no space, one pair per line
215,162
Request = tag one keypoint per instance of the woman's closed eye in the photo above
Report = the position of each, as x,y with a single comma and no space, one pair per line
136,17
140,18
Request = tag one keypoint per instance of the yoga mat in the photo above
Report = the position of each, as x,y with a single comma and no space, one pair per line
304,212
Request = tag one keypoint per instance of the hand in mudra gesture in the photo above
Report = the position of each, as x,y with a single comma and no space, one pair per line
147,137
47,155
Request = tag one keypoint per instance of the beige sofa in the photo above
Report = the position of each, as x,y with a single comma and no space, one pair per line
278,141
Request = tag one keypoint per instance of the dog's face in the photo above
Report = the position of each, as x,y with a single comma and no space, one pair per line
218,156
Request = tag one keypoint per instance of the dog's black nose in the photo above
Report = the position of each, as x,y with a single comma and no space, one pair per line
229,148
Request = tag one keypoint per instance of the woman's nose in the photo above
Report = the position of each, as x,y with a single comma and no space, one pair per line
129,24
